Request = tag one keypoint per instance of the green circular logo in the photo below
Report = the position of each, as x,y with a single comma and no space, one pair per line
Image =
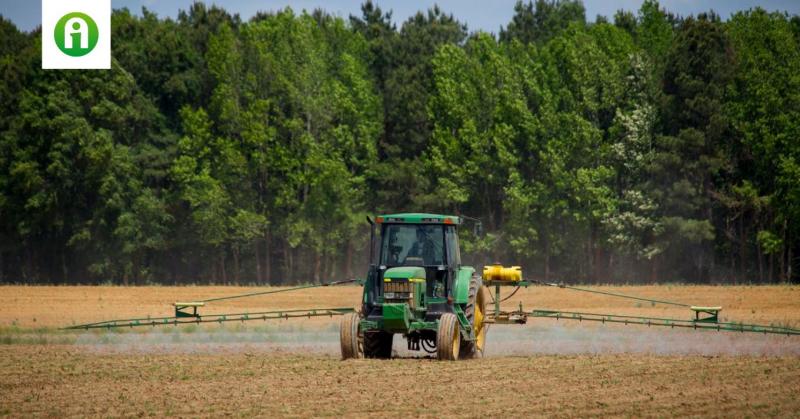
76,34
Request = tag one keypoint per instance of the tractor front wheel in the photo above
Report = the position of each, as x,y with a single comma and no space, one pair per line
448,338
350,336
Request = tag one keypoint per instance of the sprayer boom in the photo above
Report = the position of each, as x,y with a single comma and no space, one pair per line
704,317
214,318
187,312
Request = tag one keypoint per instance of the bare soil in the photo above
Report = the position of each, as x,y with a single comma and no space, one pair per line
292,368
63,381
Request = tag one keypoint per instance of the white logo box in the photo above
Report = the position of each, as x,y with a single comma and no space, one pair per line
99,57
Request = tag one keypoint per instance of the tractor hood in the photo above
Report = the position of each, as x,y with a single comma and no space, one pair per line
403,292
405,272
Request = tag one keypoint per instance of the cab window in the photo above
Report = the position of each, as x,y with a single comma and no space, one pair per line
453,253
412,245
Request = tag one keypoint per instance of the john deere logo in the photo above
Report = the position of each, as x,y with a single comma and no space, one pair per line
76,34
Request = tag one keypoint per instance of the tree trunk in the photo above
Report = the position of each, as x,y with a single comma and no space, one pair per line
257,253
215,271
331,268
601,262
789,264
654,270
771,263
701,277
742,250
236,265
324,266
712,258
783,254
731,236
222,267
54,259
287,263
174,268
609,265
547,265
134,271
28,275
327,266
348,267
268,257
760,263
317,263
592,265
137,272
291,274
64,270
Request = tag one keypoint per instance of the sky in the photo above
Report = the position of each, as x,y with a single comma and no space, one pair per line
485,15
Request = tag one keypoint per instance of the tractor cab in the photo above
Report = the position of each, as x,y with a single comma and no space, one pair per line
421,240
416,247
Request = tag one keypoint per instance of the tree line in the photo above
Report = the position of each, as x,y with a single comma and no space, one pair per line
645,147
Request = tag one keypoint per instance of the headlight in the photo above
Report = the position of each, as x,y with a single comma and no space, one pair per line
397,295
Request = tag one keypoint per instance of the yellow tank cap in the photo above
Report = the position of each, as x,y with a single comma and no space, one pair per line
501,273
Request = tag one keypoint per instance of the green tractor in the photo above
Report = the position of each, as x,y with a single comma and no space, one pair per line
417,287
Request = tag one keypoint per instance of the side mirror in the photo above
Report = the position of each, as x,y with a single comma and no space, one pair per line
477,229
371,240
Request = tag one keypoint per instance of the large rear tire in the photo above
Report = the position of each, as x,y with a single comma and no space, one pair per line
378,345
475,312
448,338
350,336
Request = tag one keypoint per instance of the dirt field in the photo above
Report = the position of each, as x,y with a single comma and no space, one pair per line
292,368
59,306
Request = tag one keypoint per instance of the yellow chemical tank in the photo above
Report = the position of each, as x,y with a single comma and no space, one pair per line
501,273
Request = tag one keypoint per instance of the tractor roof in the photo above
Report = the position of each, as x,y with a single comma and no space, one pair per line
419,218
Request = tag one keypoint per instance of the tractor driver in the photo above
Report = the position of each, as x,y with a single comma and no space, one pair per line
423,248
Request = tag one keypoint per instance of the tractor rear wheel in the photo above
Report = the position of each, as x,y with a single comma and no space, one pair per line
474,312
350,336
378,344
448,338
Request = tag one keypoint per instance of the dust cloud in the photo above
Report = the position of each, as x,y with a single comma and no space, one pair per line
537,338
551,339
214,340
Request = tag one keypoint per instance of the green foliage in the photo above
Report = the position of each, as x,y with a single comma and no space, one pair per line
406,70
655,30
218,150
770,243
764,103
540,22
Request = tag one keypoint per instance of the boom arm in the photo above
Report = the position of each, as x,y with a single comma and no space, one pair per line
214,318
705,318
183,316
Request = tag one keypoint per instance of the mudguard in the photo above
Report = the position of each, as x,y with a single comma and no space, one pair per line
462,284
